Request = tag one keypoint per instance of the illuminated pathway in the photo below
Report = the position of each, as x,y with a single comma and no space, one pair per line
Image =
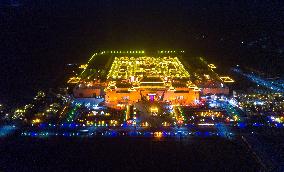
7,130
260,81
232,111
72,113
223,130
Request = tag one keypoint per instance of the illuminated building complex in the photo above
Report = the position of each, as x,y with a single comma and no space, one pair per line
136,76
147,78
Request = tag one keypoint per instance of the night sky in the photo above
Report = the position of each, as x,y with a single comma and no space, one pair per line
38,38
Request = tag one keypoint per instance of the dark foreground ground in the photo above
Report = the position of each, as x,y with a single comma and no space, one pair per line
124,154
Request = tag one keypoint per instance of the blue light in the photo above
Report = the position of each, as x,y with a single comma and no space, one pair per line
133,133
165,133
42,125
72,125
65,125
256,124
206,133
241,125
124,125
33,134
147,134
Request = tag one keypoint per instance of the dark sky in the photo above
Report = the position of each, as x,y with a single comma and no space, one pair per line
39,37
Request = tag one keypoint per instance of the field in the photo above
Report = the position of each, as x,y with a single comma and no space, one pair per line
127,154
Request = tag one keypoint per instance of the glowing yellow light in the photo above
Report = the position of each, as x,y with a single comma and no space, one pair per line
166,124
158,134
83,66
131,89
207,76
154,109
196,89
212,66
171,89
145,124
74,80
90,123
236,118
226,79
35,121
20,111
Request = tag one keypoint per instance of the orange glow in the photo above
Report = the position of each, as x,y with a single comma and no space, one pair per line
154,109
158,134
